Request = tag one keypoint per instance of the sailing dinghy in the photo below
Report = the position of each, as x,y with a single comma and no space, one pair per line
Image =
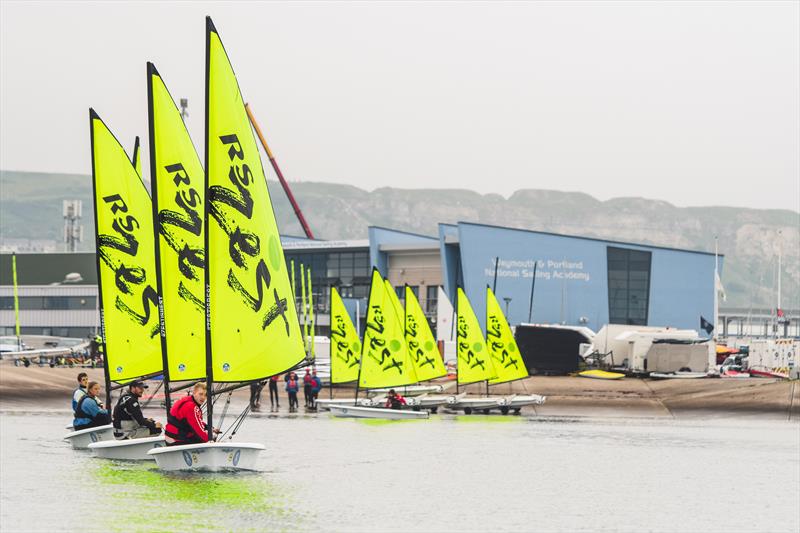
385,361
128,300
251,328
345,350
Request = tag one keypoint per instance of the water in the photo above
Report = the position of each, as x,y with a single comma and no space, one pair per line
458,473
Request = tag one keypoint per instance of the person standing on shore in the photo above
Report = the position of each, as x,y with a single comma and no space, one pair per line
80,392
307,388
316,386
89,412
255,395
185,423
129,423
273,393
291,388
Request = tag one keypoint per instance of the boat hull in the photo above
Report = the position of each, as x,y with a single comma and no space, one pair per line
469,405
518,401
600,374
80,440
127,450
411,390
678,375
347,411
325,404
207,457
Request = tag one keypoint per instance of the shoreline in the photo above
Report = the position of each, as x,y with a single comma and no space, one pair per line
48,390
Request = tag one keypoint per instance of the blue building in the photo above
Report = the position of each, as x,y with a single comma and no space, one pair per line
579,280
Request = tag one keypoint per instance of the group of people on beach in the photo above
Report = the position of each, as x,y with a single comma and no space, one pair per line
312,385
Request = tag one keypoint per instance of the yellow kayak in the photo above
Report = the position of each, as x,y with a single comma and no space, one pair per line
600,374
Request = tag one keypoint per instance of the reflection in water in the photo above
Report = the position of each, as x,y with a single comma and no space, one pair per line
164,500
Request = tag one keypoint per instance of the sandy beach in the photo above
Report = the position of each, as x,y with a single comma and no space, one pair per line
44,389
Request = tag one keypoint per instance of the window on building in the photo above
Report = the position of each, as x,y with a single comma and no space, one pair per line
628,285
431,299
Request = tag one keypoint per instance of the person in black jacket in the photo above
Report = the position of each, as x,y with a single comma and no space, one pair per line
129,423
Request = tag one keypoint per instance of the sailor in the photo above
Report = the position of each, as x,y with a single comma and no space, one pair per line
89,412
316,386
185,420
129,423
394,400
80,392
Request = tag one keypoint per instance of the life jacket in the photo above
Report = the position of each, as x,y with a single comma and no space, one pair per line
79,412
185,430
395,402
74,402
121,409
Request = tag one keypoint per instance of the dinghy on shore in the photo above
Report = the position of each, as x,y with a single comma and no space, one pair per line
678,375
600,374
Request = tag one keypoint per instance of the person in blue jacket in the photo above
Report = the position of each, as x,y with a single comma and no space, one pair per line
80,392
316,386
89,412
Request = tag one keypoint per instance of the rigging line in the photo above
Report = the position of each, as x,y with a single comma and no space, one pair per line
150,399
234,427
225,409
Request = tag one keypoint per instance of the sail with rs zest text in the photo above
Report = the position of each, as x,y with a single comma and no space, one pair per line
178,203
507,360
126,268
421,342
474,360
251,325
345,346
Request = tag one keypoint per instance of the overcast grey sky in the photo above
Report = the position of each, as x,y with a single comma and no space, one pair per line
695,103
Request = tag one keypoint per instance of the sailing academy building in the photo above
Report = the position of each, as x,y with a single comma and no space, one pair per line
579,280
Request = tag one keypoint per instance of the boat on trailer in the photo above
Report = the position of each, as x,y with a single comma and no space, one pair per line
208,457
350,411
474,404
81,439
127,449
410,390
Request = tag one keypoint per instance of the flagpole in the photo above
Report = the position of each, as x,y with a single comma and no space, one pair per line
716,287
16,300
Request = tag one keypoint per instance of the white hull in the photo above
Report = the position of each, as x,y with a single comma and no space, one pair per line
325,404
376,412
208,457
411,390
431,401
519,401
468,405
678,375
127,450
80,440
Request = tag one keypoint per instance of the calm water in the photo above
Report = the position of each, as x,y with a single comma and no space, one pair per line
464,473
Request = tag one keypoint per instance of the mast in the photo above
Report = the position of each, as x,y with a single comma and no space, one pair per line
533,286
16,299
206,216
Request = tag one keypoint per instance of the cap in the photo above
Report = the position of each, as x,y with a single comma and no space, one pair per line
138,383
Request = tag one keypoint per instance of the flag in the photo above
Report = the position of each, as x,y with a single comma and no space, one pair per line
779,312
705,325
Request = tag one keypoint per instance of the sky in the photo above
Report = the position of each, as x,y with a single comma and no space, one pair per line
693,103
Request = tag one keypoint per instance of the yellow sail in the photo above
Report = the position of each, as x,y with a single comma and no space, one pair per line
251,323
474,362
345,346
421,343
385,361
126,263
507,360
179,200
398,307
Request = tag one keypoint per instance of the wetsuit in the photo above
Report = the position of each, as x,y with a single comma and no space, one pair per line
185,423
129,423
89,414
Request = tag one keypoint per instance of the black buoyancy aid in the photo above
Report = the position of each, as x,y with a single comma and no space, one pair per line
395,403
185,430
121,410
79,412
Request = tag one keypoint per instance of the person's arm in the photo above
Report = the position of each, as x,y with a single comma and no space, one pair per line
196,421
91,408
134,409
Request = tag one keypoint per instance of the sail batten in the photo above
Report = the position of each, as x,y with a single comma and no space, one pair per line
385,361
126,268
474,360
178,202
345,346
252,330
506,357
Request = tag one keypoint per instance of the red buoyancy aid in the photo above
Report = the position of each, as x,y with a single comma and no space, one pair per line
185,421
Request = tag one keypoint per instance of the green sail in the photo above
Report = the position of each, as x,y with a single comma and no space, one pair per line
345,346
421,342
505,355
385,361
474,361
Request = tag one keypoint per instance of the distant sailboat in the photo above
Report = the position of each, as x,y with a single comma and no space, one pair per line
125,271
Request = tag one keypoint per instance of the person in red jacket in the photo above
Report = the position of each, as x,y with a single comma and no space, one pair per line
394,400
185,423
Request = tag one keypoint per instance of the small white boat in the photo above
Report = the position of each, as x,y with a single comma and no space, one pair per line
128,449
410,390
365,402
485,404
431,401
348,411
80,440
208,457
678,375
518,401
